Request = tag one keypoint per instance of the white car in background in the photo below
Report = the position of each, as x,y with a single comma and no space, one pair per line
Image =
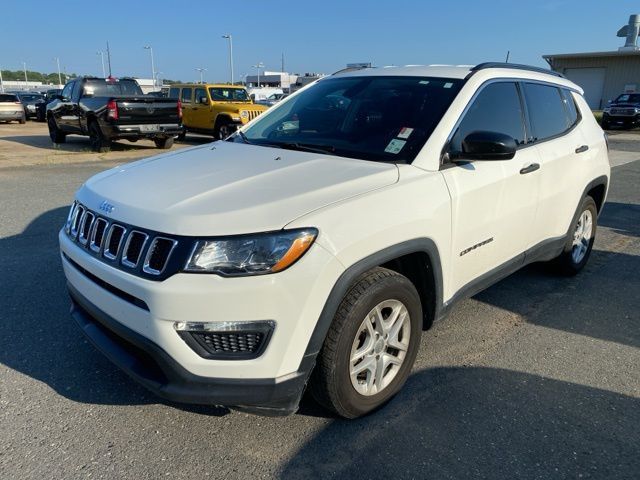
11,108
311,248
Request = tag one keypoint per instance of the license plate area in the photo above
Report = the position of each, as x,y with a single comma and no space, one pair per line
150,128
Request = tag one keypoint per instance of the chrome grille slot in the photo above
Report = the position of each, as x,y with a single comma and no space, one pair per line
113,242
133,248
253,114
97,236
158,255
75,221
67,225
85,227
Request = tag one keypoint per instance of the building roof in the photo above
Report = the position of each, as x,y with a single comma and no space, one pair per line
614,53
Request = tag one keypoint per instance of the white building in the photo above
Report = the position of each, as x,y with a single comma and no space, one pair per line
281,80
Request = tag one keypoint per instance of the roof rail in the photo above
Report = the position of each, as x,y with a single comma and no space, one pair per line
516,66
350,69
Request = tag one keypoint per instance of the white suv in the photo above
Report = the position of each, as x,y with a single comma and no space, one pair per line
312,247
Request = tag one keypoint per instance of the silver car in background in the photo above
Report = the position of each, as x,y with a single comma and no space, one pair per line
11,108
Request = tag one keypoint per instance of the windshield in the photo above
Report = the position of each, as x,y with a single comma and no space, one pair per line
221,94
112,87
371,118
30,97
629,98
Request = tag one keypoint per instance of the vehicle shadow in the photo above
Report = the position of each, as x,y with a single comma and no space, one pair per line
622,218
481,423
40,339
79,144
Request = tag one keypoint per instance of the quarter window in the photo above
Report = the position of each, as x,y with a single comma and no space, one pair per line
186,95
570,106
547,111
497,108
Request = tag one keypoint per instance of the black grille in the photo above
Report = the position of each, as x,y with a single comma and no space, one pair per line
113,241
158,255
133,248
230,342
126,247
98,234
85,227
240,343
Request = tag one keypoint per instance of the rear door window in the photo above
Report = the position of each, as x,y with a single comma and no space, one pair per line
547,111
497,108
185,97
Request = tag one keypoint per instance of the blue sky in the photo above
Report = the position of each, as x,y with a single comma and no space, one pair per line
315,36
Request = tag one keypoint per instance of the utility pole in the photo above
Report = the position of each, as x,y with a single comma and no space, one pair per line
508,53
59,75
230,38
26,80
258,66
101,53
201,70
109,58
1,82
153,66
282,63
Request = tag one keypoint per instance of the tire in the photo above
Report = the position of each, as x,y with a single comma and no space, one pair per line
223,129
164,143
336,383
99,143
54,132
23,120
577,250
606,125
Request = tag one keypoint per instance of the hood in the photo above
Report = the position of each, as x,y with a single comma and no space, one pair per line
229,188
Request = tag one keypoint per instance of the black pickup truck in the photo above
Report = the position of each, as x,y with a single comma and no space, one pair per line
108,109
624,111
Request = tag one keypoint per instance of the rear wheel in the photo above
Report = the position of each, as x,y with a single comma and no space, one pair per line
54,132
182,135
578,247
371,345
99,143
23,120
164,143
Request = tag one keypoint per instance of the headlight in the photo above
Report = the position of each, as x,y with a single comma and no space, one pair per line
251,254
244,114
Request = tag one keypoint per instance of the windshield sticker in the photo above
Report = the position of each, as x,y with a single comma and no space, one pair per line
424,82
395,146
405,132
448,85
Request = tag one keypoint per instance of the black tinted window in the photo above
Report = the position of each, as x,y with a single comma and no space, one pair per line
8,98
186,95
570,106
547,112
371,118
497,108
112,87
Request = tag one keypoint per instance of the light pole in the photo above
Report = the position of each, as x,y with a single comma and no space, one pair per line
158,82
230,38
153,66
59,75
1,82
104,72
201,70
26,80
258,66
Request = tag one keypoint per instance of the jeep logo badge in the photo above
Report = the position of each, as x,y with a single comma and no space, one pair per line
106,207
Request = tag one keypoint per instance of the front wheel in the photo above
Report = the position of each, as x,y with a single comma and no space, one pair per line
164,143
578,247
54,132
371,345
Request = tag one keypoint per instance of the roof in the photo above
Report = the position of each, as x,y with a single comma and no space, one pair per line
614,53
206,85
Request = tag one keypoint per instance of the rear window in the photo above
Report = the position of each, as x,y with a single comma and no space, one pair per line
546,110
112,88
629,98
26,97
5,97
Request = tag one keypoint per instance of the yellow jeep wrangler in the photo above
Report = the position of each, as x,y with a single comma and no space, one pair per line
214,109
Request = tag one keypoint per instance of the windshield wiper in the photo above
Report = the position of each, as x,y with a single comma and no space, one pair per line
308,147
244,137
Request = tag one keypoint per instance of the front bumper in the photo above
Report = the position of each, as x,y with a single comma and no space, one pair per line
154,368
621,120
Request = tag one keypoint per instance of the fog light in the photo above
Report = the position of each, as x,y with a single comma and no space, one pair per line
226,340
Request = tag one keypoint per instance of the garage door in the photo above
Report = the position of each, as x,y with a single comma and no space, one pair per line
592,82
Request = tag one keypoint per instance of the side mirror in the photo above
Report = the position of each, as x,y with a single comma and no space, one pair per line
481,145
204,100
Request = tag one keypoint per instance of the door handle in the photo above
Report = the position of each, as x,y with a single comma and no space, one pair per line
582,148
530,168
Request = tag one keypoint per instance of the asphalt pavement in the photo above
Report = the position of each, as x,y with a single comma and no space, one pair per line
537,377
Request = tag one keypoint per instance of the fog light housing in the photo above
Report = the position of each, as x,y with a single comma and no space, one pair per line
226,340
